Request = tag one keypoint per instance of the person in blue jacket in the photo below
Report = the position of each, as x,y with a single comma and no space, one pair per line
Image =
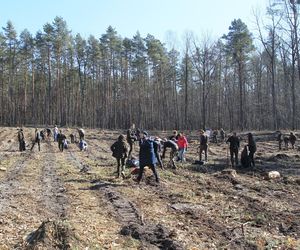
148,155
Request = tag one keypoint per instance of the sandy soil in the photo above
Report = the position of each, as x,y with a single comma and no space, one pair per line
73,200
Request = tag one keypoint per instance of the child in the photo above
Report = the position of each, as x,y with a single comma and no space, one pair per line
120,149
182,145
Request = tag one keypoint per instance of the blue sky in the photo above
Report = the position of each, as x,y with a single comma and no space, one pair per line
157,17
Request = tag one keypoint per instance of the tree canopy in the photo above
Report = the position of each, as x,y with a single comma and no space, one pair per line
55,77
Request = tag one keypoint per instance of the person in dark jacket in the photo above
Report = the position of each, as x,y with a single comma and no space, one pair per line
245,158
234,144
292,139
215,136
222,134
61,140
48,132
120,149
174,136
203,145
137,134
174,149
130,138
72,137
252,149
42,133
21,140
147,156
37,140
81,133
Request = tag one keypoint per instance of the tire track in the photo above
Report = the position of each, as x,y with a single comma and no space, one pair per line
87,214
125,211
32,192
53,232
52,187
131,219
10,185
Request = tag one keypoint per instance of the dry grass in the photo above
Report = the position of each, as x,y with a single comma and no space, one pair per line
202,208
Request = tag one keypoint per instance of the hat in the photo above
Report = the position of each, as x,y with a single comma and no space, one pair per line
145,133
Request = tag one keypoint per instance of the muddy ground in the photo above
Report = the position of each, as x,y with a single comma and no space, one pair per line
73,200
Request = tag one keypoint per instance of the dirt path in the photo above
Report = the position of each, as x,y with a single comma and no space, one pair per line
87,214
10,182
32,194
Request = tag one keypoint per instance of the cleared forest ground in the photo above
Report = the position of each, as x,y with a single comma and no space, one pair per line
72,200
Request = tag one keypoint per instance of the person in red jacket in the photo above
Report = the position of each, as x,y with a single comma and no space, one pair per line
182,145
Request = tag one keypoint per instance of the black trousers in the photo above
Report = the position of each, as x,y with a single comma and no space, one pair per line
22,145
38,142
251,158
121,165
201,149
61,146
173,153
234,154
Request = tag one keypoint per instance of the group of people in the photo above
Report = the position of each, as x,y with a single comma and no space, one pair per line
215,134
177,143
148,154
247,159
151,147
286,139
58,136
149,151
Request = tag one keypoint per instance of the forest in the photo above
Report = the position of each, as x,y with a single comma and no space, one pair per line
59,195
242,80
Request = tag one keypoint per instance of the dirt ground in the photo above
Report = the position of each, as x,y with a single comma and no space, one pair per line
73,200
